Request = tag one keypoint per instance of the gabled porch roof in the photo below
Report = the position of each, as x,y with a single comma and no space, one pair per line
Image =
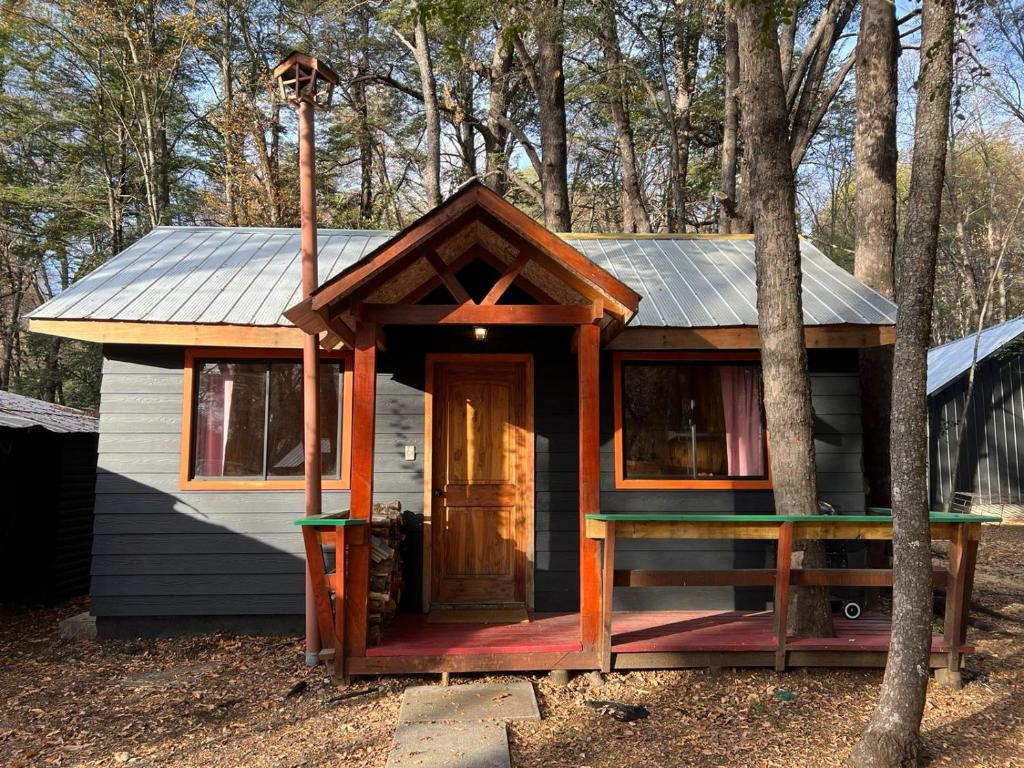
474,224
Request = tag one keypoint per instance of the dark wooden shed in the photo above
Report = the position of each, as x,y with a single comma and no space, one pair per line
48,475
993,446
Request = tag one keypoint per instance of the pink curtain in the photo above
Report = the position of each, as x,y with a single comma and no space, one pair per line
214,426
744,436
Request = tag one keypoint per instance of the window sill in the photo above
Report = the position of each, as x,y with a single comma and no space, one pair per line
327,484
692,485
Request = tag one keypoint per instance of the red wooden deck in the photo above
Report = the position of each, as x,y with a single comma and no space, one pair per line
633,632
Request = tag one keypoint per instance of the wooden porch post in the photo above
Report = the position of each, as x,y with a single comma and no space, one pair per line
783,564
364,406
963,555
588,350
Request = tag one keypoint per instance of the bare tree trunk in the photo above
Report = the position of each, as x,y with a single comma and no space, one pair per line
728,217
420,50
875,221
893,737
496,136
549,85
634,213
227,129
787,390
361,91
685,51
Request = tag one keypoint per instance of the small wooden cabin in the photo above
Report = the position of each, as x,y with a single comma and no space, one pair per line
507,385
48,477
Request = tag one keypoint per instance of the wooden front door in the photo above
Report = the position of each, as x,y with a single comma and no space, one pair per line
481,508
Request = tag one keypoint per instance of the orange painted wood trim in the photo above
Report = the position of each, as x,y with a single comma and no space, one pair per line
746,337
364,417
188,483
172,334
640,484
607,607
588,354
316,570
340,599
505,280
783,566
477,314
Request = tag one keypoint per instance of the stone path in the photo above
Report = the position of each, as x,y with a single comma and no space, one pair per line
459,726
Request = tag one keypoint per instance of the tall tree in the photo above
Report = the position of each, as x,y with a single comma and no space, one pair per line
419,47
787,390
546,76
875,159
634,211
893,736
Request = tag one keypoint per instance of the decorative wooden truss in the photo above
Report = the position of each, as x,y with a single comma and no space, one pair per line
390,285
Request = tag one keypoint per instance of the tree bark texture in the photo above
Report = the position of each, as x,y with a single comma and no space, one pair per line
729,220
431,110
893,735
496,136
875,159
549,28
787,391
634,212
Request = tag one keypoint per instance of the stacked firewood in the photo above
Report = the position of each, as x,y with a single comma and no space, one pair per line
385,567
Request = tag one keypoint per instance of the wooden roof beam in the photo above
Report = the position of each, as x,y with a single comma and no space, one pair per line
502,284
474,314
451,282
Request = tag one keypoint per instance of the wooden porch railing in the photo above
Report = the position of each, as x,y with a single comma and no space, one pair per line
339,533
961,530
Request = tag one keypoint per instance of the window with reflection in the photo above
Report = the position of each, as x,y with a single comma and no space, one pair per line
248,422
692,421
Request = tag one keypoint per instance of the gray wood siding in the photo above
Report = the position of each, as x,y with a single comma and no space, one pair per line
836,399
990,464
161,551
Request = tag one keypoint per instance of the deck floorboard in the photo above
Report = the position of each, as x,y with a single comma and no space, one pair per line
632,632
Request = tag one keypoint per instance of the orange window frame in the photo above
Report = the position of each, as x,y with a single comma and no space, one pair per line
647,484
192,354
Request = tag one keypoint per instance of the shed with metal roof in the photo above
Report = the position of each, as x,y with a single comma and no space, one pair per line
989,462
48,475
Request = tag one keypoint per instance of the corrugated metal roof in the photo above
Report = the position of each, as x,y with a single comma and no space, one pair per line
20,412
250,276
948,362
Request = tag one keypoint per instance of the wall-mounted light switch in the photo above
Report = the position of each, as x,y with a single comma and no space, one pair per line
410,453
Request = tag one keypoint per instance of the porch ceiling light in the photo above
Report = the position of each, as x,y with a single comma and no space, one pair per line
304,78
480,333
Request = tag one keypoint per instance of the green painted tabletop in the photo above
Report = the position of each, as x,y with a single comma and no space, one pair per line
935,517
330,522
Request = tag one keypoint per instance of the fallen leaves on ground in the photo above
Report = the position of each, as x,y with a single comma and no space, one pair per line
222,700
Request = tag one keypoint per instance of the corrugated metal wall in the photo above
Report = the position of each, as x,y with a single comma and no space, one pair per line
990,465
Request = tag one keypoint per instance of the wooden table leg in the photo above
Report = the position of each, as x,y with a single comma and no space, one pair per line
607,594
783,563
339,602
317,577
961,567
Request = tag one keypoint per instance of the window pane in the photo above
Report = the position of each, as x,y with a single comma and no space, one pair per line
229,420
284,443
692,421
656,420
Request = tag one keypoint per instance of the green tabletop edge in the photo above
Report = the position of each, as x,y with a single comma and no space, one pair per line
329,522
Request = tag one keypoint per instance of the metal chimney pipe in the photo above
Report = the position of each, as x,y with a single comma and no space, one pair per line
310,352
